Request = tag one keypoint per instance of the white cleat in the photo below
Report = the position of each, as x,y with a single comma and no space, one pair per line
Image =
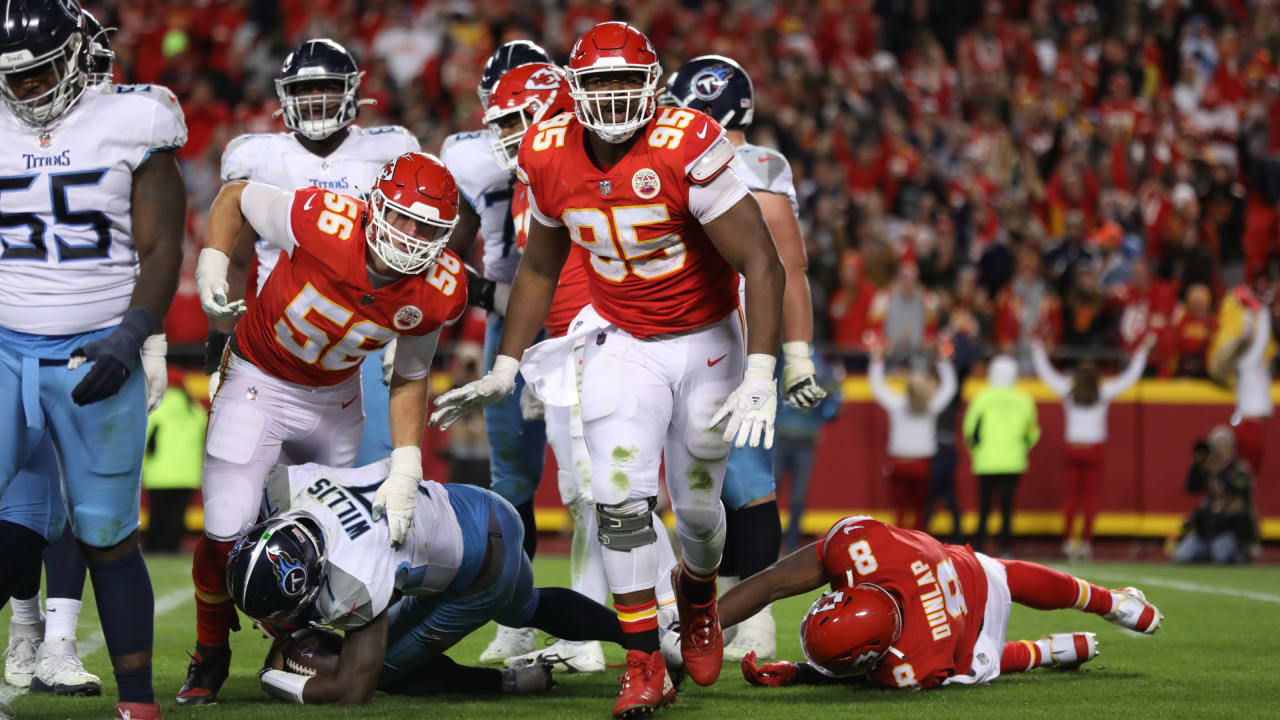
20,655
1070,650
59,670
669,643
757,634
564,656
1130,609
509,643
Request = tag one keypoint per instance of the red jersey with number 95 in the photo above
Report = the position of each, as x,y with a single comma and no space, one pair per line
942,590
652,269
318,316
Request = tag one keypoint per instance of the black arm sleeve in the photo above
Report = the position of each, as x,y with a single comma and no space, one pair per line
479,290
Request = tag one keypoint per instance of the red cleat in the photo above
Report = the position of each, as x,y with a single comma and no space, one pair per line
138,711
701,643
645,685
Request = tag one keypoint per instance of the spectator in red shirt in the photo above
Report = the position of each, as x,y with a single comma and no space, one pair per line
850,303
1194,325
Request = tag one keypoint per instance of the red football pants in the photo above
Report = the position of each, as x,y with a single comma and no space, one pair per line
1249,442
909,489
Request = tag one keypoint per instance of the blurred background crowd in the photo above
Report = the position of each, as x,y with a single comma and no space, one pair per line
1090,170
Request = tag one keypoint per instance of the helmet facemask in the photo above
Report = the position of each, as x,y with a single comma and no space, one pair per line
100,59
318,115
45,108
614,114
406,252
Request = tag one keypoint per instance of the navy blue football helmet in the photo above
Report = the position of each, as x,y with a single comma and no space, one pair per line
717,86
275,571
41,40
318,115
100,57
512,54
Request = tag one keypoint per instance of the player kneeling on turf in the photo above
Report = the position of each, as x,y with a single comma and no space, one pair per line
320,557
905,610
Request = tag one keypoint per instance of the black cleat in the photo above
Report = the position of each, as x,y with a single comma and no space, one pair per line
206,673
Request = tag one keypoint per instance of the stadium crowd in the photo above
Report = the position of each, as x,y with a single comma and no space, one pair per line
1083,171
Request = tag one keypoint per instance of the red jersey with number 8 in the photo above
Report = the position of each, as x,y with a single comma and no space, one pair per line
652,269
318,315
941,589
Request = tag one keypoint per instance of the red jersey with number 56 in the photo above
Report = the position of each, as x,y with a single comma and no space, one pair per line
942,590
318,315
573,291
652,269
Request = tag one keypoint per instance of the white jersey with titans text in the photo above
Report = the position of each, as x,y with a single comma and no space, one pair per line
488,189
280,159
363,569
69,262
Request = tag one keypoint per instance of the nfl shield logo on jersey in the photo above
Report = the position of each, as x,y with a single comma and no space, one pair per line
646,183
407,318
606,187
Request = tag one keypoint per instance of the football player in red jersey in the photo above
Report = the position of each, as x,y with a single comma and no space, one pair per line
905,610
353,276
646,191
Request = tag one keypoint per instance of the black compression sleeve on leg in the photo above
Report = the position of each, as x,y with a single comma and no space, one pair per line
64,568
441,675
20,561
758,536
568,615
525,510
729,556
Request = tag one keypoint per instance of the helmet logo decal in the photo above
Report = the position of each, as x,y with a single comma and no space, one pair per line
709,83
544,79
290,574
646,183
407,317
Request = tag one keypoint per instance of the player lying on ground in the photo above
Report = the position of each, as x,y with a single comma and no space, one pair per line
322,557
905,610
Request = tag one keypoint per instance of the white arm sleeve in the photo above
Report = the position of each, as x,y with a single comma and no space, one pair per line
1055,381
537,214
267,208
886,398
1111,389
414,354
710,201
946,388
1261,338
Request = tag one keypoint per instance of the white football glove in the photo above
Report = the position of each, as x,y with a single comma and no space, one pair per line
497,384
799,376
397,496
531,408
211,285
752,407
153,367
388,362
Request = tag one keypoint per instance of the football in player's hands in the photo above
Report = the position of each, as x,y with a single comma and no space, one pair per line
312,651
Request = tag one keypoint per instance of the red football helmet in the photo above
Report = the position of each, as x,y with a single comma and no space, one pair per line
413,208
532,93
616,111
846,632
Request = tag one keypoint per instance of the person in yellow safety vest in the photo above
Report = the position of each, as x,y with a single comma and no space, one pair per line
171,466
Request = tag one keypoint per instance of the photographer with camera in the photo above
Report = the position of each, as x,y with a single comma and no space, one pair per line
1224,528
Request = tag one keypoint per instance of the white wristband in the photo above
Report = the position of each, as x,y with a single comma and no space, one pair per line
796,350
407,460
283,685
505,365
155,346
760,366
212,264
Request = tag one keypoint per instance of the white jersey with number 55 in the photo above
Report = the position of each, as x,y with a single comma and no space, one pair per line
68,260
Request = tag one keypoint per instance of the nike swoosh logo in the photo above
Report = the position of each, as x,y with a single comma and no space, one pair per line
345,404
307,206
703,132
712,363
762,159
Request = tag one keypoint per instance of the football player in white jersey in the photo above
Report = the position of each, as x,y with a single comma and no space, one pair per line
719,87
516,446
322,147
321,557
50,664
92,209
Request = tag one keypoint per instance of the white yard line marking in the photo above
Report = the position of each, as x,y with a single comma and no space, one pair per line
1141,580
95,641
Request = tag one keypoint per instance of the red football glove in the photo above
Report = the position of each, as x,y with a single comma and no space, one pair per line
778,674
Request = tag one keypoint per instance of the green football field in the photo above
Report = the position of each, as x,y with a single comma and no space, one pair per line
1214,657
